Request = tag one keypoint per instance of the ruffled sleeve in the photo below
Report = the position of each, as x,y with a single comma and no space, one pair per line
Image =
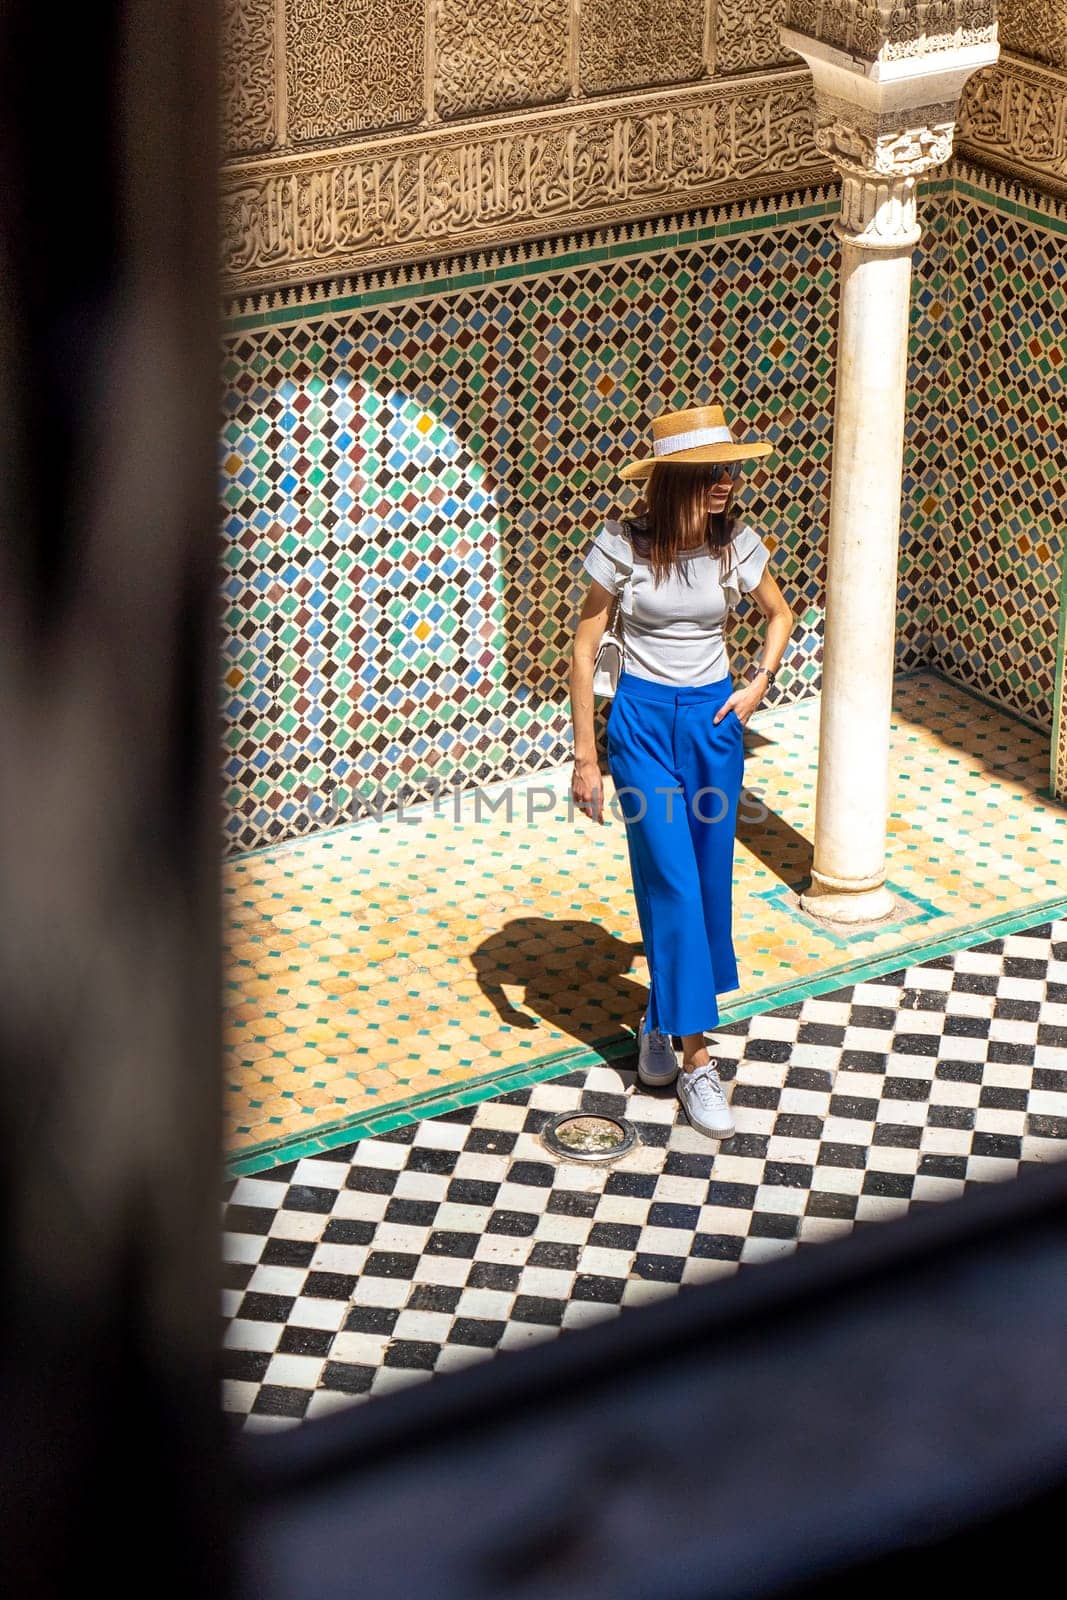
749,556
608,558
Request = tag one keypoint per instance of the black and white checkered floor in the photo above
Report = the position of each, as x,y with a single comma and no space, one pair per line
447,1240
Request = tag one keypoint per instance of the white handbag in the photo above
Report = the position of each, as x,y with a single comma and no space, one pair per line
610,653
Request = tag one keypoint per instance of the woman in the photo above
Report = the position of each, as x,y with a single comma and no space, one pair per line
675,731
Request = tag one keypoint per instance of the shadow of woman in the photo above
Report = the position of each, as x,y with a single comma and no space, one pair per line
574,976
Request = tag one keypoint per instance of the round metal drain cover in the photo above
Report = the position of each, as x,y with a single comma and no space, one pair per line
588,1136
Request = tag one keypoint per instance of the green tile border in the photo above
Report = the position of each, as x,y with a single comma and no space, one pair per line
537,266
260,1158
488,1086
448,276
1051,220
925,911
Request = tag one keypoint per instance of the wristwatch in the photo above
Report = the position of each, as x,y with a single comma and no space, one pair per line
770,671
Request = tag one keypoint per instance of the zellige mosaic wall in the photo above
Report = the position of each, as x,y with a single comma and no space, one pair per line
411,472
995,580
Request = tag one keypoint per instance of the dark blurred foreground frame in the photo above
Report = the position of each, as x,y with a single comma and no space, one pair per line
888,1409
111,1444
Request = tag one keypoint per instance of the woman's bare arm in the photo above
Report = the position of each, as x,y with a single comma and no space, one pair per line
779,621
587,784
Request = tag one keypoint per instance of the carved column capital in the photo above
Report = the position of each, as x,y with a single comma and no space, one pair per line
887,81
880,155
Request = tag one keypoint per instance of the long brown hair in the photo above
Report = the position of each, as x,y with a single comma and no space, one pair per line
675,518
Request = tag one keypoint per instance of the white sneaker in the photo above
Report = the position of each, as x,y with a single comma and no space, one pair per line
657,1064
704,1101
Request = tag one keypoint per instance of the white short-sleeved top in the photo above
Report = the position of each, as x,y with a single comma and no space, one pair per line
673,631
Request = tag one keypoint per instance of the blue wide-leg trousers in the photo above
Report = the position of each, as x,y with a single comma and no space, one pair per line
677,777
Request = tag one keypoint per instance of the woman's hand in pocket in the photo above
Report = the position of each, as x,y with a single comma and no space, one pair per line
742,703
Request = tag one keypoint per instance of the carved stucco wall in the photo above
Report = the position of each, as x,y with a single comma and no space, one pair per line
361,136
352,66
1035,28
477,67
249,70
628,44
748,35
1013,118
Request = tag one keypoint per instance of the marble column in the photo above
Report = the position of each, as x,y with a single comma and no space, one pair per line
883,117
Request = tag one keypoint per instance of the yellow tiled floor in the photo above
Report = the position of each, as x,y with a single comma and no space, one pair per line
392,960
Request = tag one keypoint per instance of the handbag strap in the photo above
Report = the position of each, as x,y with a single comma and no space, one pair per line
617,629
615,623
628,580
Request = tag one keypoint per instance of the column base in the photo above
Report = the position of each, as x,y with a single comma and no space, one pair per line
831,902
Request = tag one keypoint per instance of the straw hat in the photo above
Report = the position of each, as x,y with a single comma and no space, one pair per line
699,433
